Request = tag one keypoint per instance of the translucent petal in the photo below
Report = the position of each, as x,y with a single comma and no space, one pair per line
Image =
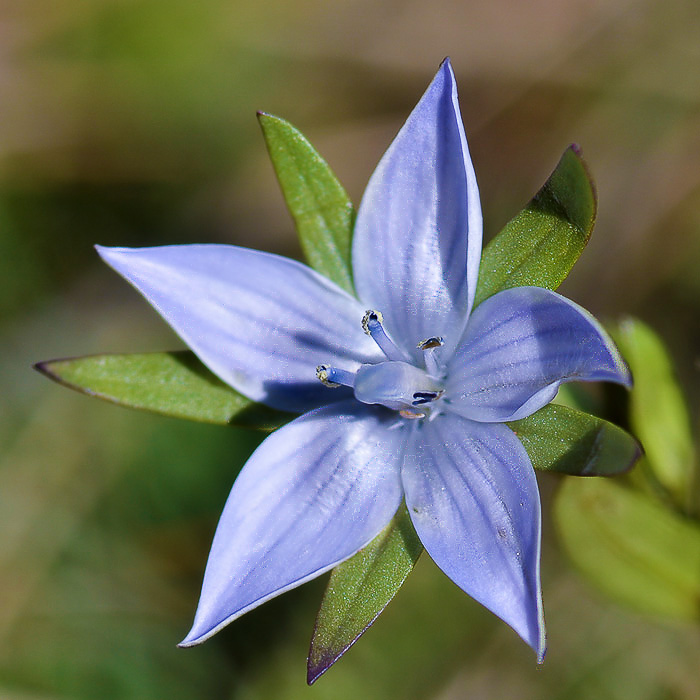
418,233
259,321
472,495
519,346
312,494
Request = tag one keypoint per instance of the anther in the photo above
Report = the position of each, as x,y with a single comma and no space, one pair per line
372,325
430,343
429,346
422,397
374,318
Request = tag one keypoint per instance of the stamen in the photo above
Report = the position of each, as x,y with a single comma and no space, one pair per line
423,397
332,377
372,325
429,346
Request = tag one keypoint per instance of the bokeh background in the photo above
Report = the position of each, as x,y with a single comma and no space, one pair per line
132,122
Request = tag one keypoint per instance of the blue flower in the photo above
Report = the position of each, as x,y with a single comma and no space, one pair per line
404,390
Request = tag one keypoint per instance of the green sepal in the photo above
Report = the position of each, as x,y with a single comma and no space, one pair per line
658,412
174,384
323,213
359,589
631,547
562,439
541,244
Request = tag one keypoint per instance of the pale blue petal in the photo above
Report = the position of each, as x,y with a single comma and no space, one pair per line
473,499
312,494
259,321
418,233
519,346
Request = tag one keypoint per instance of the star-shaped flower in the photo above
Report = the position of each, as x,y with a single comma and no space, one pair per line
404,390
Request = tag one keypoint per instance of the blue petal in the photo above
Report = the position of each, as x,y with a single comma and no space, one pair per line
519,346
259,321
418,233
472,495
312,494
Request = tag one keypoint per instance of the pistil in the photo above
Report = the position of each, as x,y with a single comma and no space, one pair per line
396,385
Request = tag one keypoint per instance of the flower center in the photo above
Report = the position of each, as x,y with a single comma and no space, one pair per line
396,383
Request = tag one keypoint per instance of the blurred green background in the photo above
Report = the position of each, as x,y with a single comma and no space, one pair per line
132,122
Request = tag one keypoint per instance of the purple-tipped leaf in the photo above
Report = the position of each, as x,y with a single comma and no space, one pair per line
358,591
173,384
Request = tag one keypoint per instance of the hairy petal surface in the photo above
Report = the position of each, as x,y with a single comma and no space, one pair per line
417,238
312,494
472,496
261,322
519,346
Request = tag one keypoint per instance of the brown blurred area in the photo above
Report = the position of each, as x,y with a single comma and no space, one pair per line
132,122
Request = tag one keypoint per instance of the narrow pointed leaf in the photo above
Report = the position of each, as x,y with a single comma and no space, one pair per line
561,439
359,589
174,384
658,411
541,244
631,547
320,207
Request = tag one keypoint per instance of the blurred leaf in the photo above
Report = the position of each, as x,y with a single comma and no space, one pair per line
631,547
541,244
359,589
105,547
565,440
171,383
658,411
323,214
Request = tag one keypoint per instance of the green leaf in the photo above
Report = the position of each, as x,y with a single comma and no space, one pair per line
171,383
359,589
658,412
562,439
321,209
631,547
541,244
